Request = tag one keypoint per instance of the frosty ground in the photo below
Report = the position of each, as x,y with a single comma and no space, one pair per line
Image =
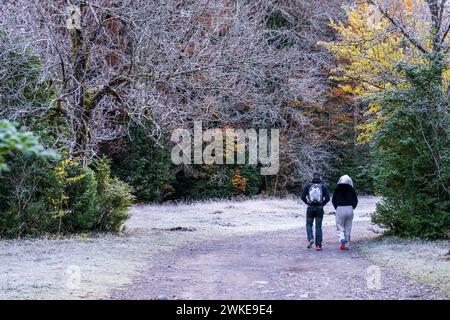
246,249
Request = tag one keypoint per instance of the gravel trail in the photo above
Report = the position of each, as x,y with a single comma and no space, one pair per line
271,265
220,249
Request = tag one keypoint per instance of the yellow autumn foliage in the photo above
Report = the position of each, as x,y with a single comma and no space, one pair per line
239,182
60,200
369,50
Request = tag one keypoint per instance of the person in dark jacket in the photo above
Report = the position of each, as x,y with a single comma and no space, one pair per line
344,201
316,196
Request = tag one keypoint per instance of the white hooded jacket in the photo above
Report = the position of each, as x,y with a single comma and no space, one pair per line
345,179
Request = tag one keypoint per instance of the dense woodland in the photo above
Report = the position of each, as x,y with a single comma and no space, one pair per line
90,92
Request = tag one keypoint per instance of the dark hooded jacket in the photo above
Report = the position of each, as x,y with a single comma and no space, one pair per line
326,195
344,195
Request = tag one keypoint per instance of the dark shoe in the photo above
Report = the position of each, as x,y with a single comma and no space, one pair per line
310,244
318,247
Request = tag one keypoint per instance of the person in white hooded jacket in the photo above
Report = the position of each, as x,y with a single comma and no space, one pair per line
344,201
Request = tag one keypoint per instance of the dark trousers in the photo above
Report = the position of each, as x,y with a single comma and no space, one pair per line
314,213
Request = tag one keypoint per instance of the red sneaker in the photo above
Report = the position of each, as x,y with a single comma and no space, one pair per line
318,247
342,246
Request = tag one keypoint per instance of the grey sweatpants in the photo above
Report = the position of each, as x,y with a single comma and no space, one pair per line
344,219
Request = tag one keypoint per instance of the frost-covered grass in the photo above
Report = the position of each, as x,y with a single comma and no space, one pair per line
421,260
47,269
242,216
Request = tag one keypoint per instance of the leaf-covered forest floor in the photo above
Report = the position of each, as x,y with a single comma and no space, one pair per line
218,249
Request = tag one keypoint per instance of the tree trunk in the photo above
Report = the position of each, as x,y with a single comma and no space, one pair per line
82,110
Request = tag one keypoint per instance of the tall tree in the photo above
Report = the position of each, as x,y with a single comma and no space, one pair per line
381,35
394,53
160,64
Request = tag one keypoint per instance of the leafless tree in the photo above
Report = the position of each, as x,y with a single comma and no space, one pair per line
163,64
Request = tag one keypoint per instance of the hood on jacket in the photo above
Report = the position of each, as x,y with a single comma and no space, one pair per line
345,179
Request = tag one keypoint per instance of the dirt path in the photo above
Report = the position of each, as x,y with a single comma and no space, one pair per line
228,249
270,265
